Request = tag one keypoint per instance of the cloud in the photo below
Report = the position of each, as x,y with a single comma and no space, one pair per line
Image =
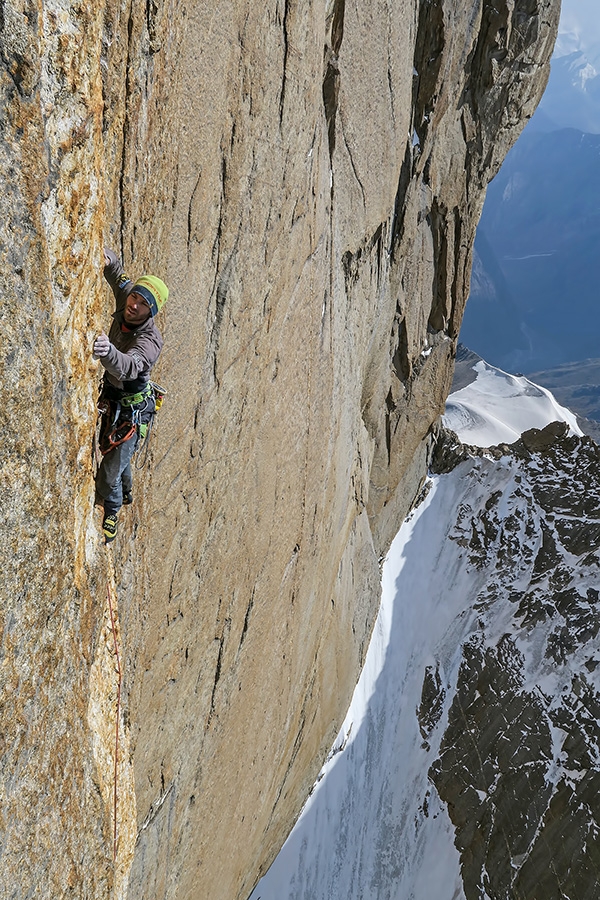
579,28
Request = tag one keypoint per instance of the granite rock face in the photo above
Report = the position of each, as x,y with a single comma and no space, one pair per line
307,178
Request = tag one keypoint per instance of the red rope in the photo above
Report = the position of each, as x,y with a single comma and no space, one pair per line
115,796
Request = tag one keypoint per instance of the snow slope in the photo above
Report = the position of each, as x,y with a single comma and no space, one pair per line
497,407
478,560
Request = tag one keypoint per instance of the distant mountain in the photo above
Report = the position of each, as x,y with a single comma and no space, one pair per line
577,386
534,285
573,94
534,290
468,765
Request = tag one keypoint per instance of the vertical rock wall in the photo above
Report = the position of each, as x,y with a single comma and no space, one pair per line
53,828
307,178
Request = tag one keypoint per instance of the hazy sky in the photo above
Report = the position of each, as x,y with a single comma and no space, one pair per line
579,28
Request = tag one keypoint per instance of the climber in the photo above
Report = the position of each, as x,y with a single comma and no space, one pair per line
127,400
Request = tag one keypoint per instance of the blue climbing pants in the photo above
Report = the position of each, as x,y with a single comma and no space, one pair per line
114,475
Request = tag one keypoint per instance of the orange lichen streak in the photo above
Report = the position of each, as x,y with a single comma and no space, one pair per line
117,716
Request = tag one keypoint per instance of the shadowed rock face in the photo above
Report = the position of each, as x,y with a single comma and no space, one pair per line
518,765
307,179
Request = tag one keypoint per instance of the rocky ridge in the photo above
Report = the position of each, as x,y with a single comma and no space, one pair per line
313,214
519,761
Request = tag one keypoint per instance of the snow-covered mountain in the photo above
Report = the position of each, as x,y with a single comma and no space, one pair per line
497,407
468,766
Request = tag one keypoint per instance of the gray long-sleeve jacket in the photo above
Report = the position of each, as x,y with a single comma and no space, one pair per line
133,352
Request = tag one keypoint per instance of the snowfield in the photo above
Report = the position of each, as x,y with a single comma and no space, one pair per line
497,408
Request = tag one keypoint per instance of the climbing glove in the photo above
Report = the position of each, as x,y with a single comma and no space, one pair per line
101,346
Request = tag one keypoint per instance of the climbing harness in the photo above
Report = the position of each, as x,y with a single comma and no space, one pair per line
117,426
134,399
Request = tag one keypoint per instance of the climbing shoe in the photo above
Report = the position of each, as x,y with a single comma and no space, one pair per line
109,527
127,498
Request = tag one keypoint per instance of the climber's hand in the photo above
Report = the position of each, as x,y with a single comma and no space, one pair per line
101,345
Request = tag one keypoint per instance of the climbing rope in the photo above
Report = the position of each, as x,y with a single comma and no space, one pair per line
118,716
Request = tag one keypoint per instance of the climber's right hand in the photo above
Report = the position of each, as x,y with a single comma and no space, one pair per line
101,345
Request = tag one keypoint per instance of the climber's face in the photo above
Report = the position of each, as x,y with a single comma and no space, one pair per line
136,310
